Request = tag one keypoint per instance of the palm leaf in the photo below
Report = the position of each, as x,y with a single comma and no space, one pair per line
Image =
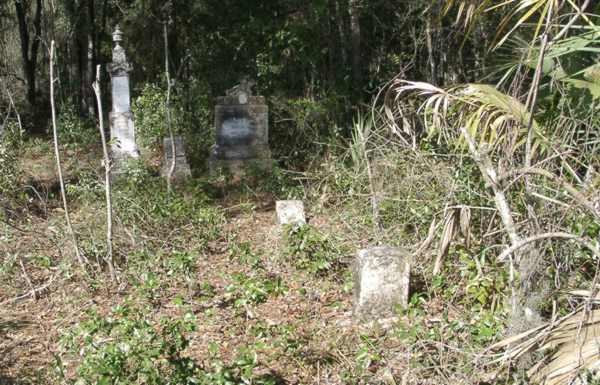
574,343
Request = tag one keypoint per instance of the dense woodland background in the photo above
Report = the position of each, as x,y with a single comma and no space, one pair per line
463,131
331,56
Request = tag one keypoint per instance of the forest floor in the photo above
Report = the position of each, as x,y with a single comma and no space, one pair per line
257,313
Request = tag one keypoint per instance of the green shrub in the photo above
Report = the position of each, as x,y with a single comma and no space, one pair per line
129,348
73,129
150,112
301,128
9,150
309,249
246,290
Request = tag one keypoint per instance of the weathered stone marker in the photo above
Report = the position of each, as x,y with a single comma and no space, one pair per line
122,129
242,131
290,212
381,282
182,169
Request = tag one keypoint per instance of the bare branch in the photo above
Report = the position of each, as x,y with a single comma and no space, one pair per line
557,235
107,167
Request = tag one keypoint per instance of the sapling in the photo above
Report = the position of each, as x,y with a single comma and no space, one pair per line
58,164
107,167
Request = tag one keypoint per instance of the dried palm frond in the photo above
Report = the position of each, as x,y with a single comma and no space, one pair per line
447,237
495,121
573,342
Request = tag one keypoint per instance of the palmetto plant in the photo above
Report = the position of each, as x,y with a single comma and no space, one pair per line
519,140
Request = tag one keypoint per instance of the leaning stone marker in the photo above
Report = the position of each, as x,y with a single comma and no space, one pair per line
122,130
290,212
182,168
242,131
381,282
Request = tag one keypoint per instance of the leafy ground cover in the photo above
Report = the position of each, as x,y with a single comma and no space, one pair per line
211,290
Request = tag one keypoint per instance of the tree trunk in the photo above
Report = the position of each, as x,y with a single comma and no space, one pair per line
355,36
29,53
332,45
91,56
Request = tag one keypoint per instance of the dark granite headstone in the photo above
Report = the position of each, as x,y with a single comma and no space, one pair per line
242,130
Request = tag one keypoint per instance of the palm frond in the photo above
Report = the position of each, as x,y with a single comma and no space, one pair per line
492,118
573,341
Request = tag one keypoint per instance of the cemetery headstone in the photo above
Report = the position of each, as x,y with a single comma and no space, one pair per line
182,169
290,212
122,129
382,279
242,131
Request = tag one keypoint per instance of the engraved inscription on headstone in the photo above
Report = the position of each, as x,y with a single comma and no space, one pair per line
242,130
236,131
123,133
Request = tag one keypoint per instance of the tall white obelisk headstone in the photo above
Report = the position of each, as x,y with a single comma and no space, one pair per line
122,129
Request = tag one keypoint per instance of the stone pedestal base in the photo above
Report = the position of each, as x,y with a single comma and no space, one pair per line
239,167
122,134
381,282
182,169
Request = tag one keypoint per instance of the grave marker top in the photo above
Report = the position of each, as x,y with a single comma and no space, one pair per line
119,65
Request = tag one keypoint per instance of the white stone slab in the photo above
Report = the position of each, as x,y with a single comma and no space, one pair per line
120,93
123,135
381,282
290,212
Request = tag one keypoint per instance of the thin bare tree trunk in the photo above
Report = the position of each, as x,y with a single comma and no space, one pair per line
58,164
91,50
430,51
532,98
109,221
168,110
355,34
29,53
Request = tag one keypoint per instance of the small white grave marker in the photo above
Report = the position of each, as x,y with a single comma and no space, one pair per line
290,212
381,282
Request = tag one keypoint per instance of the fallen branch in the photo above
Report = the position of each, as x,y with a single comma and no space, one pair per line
34,292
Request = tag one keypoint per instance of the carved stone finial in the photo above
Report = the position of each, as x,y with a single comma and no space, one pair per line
117,35
119,65
244,88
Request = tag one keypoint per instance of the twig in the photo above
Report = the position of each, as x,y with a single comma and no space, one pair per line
58,164
107,167
578,197
12,103
573,20
32,292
